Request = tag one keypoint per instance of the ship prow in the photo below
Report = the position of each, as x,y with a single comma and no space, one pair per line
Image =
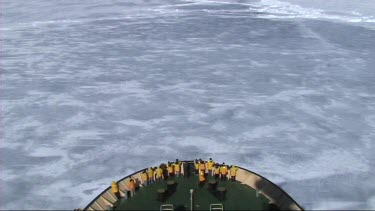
190,188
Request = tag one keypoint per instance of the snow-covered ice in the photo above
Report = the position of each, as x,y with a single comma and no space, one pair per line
92,91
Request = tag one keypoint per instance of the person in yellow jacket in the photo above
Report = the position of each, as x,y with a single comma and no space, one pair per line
233,172
223,171
132,187
151,175
202,178
115,190
170,170
210,166
159,174
196,163
144,177
217,171
202,167
177,168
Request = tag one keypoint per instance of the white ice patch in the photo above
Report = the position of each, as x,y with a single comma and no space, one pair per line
267,131
62,99
276,9
211,146
280,9
324,164
71,137
78,119
336,205
147,124
145,149
272,9
43,151
134,122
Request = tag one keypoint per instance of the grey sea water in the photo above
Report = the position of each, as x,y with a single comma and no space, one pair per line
94,90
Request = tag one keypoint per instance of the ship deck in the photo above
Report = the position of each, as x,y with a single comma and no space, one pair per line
237,197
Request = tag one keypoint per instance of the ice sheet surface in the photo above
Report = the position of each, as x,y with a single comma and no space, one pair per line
94,90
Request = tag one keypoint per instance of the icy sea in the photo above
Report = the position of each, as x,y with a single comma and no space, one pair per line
91,91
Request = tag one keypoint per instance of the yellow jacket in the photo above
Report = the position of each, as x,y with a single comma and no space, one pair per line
233,171
223,170
170,169
217,170
210,165
202,166
159,172
114,187
144,177
201,176
151,173
197,166
177,166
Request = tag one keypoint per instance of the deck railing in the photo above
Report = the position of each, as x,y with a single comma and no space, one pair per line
270,190
263,186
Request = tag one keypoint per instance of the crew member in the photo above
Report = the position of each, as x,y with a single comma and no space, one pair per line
233,172
144,177
223,172
170,170
210,166
163,166
202,167
151,175
115,190
202,179
217,171
196,166
177,168
132,187
159,174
